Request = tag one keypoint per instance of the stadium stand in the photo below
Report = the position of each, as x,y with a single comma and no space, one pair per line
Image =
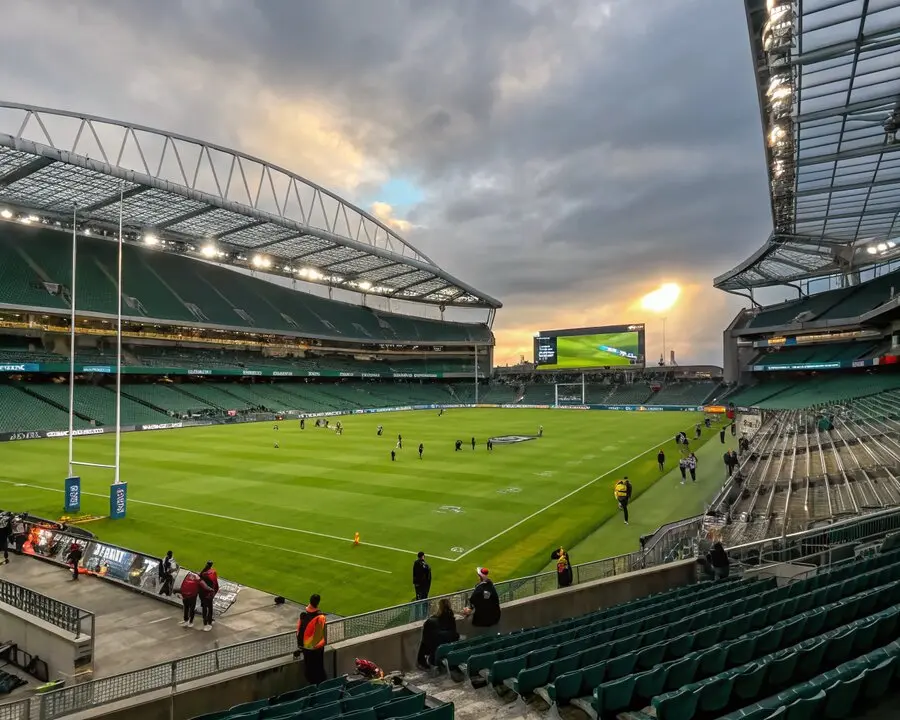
748,648
178,289
805,467
96,404
812,391
22,411
685,393
830,353
843,303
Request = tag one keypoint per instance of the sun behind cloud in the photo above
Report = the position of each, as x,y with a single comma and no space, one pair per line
661,299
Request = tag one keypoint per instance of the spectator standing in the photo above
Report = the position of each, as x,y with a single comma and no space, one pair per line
167,570
661,460
620,492
5,532
682,466
421,577
484,604
722,436
311,641
438,629
692,466
729,467
74,558
563,568
716,562
190,588
209,586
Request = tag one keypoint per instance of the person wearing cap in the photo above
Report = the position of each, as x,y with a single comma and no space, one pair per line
484,604
209,586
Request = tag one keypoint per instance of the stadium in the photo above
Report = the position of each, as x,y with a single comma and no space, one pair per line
205,353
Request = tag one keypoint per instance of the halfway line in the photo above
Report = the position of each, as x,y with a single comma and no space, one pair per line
558,501
239,520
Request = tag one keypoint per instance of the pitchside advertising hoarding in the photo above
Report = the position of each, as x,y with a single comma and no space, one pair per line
595,347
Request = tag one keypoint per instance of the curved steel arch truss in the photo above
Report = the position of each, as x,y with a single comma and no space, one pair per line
201,194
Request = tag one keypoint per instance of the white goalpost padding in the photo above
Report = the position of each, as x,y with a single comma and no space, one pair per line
116,465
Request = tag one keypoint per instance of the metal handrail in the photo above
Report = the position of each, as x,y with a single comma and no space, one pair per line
59,614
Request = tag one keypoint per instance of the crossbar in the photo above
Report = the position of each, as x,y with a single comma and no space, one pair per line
101,465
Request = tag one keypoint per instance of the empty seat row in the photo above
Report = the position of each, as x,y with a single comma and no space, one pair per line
338,699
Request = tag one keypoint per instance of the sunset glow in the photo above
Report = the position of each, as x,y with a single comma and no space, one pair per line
661,299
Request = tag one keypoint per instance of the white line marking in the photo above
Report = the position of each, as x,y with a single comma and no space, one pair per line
557,501
240,520
288,550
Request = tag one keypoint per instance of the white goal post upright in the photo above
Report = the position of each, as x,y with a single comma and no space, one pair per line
582,400
115,467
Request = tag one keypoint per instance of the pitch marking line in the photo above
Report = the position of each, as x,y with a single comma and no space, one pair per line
559,500
289,550
238,520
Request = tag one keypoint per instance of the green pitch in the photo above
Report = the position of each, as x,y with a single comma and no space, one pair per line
581,351
283,519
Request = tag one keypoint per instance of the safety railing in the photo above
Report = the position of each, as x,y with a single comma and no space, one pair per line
667,542
59,614
19,710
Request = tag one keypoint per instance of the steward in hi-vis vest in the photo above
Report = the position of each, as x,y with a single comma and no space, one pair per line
622,494
311,641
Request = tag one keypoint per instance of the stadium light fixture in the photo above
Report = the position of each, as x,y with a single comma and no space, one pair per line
882,247
872,250
151,239
365,285
261,261
208,250
6,214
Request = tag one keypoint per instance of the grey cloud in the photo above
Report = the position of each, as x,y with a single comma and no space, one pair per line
631,150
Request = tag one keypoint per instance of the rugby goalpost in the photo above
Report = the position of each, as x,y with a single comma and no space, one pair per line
578,398
73,483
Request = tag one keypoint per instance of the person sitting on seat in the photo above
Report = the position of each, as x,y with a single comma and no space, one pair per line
438,629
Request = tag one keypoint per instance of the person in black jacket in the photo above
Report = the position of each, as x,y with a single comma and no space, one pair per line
484,604
563,568
5,532
421,577
661,459
438,629
716,562
167,570
74,558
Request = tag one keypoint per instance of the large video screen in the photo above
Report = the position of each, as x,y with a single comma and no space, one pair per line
581,348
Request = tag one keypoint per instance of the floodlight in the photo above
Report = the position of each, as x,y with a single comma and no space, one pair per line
87,231
891,244
25,220
261,261
872,250
208,250
6,214
365,285
151,239
882,247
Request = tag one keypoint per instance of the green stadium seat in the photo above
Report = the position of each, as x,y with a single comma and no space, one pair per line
321,712
377,695
366,714
841,696
804,708
613,697
400,707
248,707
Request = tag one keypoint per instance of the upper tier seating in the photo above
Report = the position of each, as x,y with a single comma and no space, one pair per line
339,699
842,303
811,391
178,289
830,352
732,649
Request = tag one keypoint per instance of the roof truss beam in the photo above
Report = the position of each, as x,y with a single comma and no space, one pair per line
881,148
240,228
186,216
23,171
115,198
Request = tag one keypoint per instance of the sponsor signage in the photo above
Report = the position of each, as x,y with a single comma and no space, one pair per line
72,494
252,372
282,373
118,500
19,367
30,435
162,426
199,371
106,369
75,433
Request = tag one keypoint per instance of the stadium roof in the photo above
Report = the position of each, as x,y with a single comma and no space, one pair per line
203,199
828,79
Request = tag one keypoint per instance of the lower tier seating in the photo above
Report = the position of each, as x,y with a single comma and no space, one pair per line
339,699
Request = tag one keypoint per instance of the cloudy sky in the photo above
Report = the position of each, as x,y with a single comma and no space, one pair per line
564,156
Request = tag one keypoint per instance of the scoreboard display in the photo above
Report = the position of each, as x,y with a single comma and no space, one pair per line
587,348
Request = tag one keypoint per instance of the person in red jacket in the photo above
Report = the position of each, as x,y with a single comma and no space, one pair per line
189,589
209,586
